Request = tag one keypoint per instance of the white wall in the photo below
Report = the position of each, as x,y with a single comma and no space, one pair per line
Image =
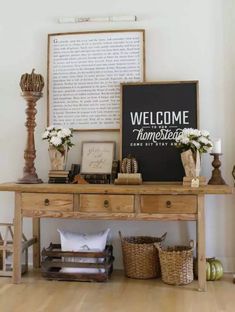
185,39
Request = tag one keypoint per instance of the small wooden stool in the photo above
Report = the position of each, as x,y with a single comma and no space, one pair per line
6,249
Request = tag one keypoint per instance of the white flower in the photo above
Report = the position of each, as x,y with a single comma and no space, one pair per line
60,134
195,140
45,134
53,134
58,137
185,140
205,133
187,131
195,143
203,140
196,132
66,132
56,141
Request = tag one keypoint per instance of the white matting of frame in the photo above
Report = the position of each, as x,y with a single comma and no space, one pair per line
85,70
97,157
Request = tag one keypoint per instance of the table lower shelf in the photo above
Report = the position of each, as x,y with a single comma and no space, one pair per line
110,216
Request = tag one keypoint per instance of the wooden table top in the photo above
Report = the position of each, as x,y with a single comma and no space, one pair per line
116,189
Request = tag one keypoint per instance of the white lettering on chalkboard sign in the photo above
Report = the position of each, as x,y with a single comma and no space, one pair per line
159,118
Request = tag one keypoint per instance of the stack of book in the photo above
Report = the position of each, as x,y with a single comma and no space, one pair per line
129,178
96,178
58,176
115,169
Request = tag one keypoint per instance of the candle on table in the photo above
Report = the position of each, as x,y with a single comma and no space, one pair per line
217,146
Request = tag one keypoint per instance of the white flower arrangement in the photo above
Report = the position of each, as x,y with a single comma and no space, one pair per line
194,140
60,138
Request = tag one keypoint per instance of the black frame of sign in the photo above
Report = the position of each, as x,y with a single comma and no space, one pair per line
152,115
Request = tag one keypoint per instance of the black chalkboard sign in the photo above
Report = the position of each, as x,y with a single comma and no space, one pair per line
153,115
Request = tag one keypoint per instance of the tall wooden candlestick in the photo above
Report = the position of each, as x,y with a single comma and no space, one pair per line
216,178
29,171
31,86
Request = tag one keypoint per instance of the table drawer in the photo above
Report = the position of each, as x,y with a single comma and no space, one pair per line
42,201
168,204
106,203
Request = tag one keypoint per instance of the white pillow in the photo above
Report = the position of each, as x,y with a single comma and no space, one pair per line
71,241
83,242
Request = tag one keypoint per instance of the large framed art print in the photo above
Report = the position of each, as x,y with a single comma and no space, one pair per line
153,115
85,70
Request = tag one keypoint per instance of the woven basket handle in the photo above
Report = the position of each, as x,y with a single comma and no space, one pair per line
163,237
158,246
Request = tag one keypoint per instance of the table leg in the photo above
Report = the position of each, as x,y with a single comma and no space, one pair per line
201,244
17,240
36,246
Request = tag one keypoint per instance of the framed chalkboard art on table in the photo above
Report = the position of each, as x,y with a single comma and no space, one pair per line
153,115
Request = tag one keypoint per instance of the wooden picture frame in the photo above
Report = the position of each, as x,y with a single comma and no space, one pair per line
153,114
97,157
84,73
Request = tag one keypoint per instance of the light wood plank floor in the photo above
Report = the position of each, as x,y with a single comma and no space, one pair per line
120,294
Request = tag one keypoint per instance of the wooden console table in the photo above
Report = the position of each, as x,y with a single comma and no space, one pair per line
123,202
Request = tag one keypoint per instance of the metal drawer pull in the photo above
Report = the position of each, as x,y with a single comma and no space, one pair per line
106,203
46,202
168,204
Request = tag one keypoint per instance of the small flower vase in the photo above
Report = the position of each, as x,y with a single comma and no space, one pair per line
58,159
191,163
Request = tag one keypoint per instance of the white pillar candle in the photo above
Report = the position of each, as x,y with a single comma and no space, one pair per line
217,146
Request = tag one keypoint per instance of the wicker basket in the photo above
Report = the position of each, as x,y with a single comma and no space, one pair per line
176,264
140,257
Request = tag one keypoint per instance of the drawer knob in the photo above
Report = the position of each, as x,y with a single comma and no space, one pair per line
46,202
106,203
168,204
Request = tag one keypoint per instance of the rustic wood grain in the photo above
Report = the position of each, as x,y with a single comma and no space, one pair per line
111,216
53,259
201,245
168,203
76,202
17,240
161,189
106,203
120,294
36,246
61,202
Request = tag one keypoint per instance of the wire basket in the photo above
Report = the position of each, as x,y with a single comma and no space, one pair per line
140,257
176,264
